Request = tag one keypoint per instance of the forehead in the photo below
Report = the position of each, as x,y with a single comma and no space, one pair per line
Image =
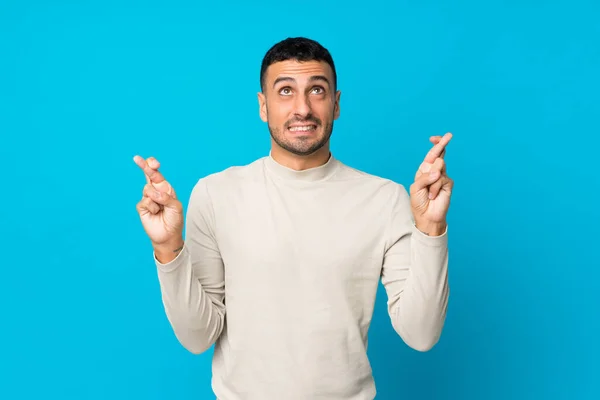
298,70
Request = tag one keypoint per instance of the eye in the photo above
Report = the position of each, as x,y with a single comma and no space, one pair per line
318,90
286,91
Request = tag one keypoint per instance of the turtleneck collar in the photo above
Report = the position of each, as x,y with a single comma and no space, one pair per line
308,175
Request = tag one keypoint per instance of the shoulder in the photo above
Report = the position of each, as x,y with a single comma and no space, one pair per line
231,176
384,188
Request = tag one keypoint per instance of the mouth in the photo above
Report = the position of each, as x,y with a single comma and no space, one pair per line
304,128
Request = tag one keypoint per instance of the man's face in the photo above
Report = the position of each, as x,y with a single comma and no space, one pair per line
299,103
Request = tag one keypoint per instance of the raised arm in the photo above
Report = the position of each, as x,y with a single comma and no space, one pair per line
415,269
415,277
190,272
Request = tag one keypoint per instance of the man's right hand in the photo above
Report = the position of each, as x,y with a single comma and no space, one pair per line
160,212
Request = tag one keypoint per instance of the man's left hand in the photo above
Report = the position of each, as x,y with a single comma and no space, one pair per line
430,193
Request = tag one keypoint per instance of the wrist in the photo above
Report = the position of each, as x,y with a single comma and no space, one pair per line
431,228
168,251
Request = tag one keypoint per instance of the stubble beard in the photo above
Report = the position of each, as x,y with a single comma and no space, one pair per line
302,145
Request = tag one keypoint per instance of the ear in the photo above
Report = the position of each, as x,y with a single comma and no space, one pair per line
336,109
262,106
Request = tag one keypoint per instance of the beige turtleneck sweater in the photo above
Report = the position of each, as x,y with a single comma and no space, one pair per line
280,271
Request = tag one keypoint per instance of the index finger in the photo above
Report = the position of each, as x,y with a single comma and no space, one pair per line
152,174
437,150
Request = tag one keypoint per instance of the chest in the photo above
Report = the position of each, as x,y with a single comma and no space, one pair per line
288,239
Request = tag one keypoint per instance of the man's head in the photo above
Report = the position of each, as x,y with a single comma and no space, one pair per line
299,98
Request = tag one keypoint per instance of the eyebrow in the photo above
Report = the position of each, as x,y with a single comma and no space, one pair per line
311,79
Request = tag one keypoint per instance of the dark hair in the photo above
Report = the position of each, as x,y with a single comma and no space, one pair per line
299,49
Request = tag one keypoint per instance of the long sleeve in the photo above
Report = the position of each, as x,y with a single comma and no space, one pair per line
415,277
192,285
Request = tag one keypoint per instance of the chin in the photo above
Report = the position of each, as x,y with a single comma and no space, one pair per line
304,147
300,142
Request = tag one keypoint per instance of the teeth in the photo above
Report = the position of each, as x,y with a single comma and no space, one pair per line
301,128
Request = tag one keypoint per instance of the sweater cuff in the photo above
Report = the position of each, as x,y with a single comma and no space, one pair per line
174,263
435,241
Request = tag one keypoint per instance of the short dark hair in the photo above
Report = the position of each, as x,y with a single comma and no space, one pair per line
299,49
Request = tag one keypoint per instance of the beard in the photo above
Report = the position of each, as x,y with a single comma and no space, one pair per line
302,145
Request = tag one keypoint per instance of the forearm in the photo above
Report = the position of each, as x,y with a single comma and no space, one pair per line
194,312
418,314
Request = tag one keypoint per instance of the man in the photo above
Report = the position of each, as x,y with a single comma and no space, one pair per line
282,257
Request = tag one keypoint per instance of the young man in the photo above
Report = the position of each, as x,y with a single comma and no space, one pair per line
282,257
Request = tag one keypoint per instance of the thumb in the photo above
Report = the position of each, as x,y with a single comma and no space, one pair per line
165,187
424,180
165,200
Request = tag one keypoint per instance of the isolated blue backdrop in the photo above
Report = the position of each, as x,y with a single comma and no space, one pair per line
84,86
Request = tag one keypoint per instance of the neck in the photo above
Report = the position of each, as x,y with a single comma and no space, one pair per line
297,170
300,163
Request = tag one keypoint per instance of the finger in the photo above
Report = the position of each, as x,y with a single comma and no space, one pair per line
448,186
440,165
148,187
165,200
153,163
424,168
436,140
148,205
435,187
152,174
438,187
437,150
424,181
165,187
171,192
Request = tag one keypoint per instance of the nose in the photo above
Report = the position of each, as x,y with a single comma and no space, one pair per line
302,106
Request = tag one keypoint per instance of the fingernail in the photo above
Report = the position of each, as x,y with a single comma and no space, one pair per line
430,196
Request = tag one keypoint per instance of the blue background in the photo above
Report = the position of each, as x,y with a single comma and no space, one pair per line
85,85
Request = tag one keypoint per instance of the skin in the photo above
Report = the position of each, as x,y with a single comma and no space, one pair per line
295,93
161,213
431,190
299,93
